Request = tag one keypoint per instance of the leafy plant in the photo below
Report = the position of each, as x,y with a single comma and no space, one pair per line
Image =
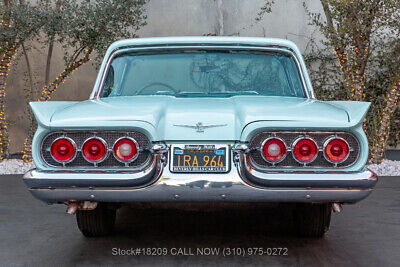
18,24
83,27
360,60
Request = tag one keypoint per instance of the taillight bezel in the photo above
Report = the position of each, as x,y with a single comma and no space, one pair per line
106,150
294,145
327,141
75,147
262,150
136,145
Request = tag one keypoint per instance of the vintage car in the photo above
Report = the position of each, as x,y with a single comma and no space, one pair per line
201,119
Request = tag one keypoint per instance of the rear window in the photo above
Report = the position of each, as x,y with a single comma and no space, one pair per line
203,74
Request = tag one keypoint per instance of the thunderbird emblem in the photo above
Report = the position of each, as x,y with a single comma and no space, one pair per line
199,126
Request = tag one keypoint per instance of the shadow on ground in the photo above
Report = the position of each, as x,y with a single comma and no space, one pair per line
235,219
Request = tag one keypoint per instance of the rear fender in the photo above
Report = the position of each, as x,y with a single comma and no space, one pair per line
43,111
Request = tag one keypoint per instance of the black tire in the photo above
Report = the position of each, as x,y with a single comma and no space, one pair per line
312,220
97,222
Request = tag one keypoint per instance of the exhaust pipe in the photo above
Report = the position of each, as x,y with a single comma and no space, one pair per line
337,207
81,205
72,207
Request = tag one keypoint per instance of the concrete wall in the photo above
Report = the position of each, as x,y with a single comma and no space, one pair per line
165,18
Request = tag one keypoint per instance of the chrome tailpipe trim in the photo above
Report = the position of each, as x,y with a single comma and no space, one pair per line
337,207
73,206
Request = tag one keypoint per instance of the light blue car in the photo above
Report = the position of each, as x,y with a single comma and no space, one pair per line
201,119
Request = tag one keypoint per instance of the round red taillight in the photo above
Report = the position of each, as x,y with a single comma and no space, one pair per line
273,150
63,150
304,150
95,149
336,150
125,149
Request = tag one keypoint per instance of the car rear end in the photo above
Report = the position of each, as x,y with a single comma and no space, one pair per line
200,172
99,154
301,168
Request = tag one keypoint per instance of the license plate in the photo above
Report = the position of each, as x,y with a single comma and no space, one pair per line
199,158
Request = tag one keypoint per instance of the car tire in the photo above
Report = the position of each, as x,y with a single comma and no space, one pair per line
312,220
97,222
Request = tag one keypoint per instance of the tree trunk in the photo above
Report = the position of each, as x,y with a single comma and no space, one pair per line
46,95
5,61
28,67
357,87
48,62
383,130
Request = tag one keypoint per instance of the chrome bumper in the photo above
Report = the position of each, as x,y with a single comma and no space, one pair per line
235,186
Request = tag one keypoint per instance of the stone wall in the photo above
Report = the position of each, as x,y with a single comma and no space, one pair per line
288,20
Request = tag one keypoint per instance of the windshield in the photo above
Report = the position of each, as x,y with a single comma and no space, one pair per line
203,74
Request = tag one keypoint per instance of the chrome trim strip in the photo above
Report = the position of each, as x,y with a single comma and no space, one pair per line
115,53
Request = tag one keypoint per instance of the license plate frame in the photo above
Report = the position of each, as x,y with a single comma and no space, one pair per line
199,169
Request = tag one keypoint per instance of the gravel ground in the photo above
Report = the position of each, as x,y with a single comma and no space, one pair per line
17,166
386,168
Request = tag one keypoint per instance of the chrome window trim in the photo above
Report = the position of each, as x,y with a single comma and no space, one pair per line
326,142
106,154
134,157
262,152
73,144
201,47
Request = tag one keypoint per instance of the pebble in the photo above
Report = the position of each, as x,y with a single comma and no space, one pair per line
386,168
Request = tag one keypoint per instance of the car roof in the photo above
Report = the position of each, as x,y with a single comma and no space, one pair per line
198,40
